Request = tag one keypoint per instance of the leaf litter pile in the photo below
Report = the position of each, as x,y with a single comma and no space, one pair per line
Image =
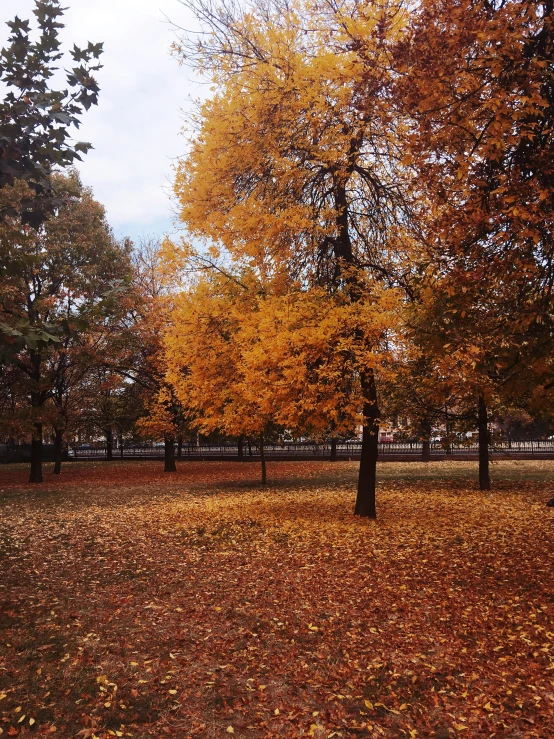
199,604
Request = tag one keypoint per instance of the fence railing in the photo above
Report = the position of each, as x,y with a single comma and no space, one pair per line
344,450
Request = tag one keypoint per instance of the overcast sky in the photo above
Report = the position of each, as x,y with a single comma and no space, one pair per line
135,130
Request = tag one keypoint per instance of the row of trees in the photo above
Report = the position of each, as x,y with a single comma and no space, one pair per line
368,195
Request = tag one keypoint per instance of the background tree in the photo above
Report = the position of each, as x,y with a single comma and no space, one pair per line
477,82
72,266
35,119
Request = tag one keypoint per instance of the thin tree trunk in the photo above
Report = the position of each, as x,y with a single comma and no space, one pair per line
180,448
262,457
367,477
37,401
109,444
484,476
249,447
169,455
36,453
240,444
58,450
121,447
334,449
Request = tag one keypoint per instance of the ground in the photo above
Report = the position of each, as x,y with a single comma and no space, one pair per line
200,604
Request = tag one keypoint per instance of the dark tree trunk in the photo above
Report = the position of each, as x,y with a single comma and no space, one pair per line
58,450
426,451
240,444
334,449
37,400
180,448
36,454
249,447
426,427
169,455
109,444
121,447
484,477
262,457
367,478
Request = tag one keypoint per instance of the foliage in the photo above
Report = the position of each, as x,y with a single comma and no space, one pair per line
35,119
154,607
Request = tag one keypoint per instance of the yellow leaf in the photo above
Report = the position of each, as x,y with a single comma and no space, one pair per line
230,730
488,706
403,707
172,692
21,719
31,721
368,704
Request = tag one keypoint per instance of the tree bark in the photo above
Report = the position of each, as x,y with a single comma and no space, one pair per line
109,444
37,400
121,447
367,478
58,449
180,448
169,455
426,427
36,454
240,445
262,458
334,449
249,447
483,427
426,451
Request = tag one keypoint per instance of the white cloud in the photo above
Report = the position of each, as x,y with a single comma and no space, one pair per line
135,130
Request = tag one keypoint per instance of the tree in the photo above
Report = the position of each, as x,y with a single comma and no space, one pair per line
245,354
295,165
74,273
477,81
35,119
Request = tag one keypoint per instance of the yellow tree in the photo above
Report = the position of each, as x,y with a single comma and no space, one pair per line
296,165
243,353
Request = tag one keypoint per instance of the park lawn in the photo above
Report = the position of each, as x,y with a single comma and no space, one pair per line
134,603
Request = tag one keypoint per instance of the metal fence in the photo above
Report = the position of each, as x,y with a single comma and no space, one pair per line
346,450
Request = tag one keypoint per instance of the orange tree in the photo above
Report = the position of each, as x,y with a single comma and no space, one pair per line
245,354
476,79
296,165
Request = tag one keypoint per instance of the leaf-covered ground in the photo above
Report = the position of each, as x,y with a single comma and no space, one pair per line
134,603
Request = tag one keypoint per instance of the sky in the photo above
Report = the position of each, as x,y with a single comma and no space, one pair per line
144,95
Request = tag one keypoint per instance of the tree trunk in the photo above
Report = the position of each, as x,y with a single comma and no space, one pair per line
334,449
121,447
169,455
240,444
109,444
180,448
58,450
426,451
426,428
262,457
36,453
367,477
484,477
249,447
